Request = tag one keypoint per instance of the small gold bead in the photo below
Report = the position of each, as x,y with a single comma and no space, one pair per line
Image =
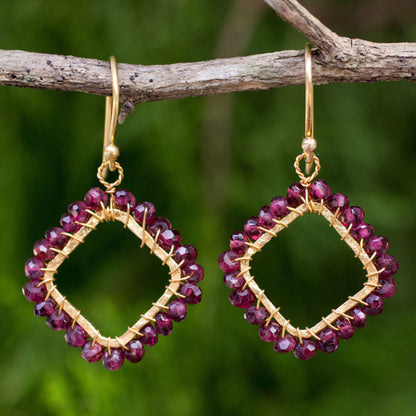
309,145
111,152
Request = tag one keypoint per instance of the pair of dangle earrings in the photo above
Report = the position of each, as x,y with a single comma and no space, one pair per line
112,204
154,232
309,196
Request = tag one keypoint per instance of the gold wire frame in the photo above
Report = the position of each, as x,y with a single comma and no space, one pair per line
113,214
274,313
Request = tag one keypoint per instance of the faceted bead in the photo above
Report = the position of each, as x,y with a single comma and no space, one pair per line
56,238
114,360
231,280
269,333
362,231
336,201
185,252
44,308
329,340
285,344
163,324
94,197
58,321
278,207
266,217
346,331
256,316
238,242
251,229
92,353
319,190
122,198
149,335
352,215
192,292
227,261
33,268
77,211
161,224
76,336
169,238
177,310
68,224
295,193
358,317
388,287
33,292
375,305
139,210
134,351
377,244
42,250
242,298
306,350
194,270
388,263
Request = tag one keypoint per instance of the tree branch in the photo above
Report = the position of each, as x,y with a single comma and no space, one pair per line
338,59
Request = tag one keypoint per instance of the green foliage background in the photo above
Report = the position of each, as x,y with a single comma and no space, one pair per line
214,362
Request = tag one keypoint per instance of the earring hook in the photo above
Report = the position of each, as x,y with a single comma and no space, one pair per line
110,150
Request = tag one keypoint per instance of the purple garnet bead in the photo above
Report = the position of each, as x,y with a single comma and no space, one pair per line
42,250
113,360
269,333
185,252
161,224
305,350
227,261
375,305
139,210
251,228
284,344
388,287
95,198
44,308
169,238
192,293
242,298
278,207
329,340
149,336
238,243
346,331
56,238
77,211
388,263
295,194
266,217
194,271
92,353
58,321
378,244
358,317
134,351
362,231
123,198
33,268
34,291
337,202
177,310
68,224
256,316
163,324
76,336
234,281
320,190
352,215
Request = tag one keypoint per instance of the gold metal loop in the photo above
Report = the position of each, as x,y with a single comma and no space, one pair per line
110,187
110,150
306,180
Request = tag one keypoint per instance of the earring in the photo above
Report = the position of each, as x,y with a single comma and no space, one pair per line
154,232
309,196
